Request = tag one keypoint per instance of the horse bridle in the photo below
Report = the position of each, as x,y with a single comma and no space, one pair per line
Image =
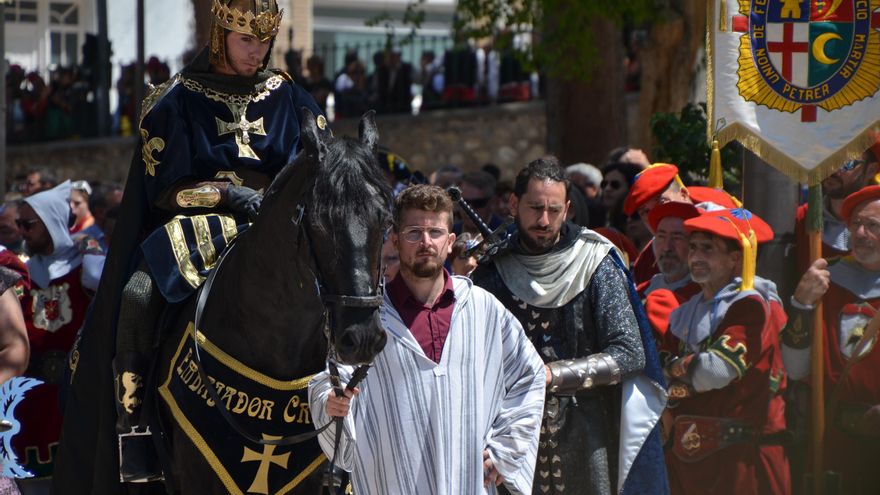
344,300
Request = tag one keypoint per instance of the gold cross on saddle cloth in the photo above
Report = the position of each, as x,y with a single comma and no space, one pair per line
242,128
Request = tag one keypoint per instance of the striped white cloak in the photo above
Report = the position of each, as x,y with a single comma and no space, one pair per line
421,427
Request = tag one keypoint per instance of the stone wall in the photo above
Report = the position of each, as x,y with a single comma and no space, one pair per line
508,135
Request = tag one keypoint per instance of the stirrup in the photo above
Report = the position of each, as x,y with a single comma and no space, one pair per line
138,462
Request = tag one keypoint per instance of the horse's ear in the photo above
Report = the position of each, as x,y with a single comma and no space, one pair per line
368,131
310,135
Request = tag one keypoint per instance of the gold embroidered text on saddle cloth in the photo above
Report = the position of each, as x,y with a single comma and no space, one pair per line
262,405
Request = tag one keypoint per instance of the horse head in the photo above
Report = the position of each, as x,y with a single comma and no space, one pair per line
346,219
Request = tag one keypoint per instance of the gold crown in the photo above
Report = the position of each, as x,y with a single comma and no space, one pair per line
263,25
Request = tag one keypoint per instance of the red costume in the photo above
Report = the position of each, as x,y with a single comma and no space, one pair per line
726,406
851,301
753,461
53,316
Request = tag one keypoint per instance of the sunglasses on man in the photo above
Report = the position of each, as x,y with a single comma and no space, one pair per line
26,225
615,184
851,165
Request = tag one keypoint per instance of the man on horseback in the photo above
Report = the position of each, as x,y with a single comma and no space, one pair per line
212,139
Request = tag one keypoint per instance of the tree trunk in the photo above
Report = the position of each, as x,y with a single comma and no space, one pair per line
670,60
586,120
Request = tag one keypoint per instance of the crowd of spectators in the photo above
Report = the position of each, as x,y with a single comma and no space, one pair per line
64,106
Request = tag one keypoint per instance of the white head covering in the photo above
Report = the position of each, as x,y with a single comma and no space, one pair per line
53,208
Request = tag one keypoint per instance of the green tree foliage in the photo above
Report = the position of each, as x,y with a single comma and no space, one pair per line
681,140
562,44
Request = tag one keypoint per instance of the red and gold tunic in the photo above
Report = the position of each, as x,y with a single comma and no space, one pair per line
706,458
847,451
53,316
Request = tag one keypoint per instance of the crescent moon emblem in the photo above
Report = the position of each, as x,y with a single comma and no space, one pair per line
819,48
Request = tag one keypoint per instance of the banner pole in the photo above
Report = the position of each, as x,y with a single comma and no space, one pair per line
817,378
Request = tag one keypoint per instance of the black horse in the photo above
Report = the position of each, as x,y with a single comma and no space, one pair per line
310,262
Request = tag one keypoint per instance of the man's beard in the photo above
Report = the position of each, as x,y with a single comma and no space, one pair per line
424,267
533,244
844,191
671,266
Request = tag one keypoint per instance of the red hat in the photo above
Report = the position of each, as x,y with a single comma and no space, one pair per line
649,183
701,194
869,193
671,209
729,224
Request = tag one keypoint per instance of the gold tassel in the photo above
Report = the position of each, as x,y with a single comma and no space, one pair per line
716,176
750,259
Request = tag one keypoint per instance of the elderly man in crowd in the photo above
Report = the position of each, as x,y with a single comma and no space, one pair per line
850,291
726,378
666,290
657,184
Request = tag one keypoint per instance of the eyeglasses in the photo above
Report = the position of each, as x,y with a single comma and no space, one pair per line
26,225
416,234
615,184
850,165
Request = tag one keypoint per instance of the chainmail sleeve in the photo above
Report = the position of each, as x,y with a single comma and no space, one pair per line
616,327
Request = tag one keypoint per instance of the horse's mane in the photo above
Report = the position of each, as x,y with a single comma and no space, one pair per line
349,183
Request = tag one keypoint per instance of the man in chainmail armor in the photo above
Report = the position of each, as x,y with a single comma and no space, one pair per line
569,290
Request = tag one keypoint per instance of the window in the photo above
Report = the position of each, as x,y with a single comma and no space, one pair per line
63,48
63,14
23,11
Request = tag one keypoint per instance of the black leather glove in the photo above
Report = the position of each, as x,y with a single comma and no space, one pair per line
241,199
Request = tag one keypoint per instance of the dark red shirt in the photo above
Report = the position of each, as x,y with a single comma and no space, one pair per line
428,324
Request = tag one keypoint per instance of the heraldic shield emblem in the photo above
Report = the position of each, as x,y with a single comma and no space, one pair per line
800,55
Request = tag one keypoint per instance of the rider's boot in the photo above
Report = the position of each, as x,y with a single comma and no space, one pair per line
138,315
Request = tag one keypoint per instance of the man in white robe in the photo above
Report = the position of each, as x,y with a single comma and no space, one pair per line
454,408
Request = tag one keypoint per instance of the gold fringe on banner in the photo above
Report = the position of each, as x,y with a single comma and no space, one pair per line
785,164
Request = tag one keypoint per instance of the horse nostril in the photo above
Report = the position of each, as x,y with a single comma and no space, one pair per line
346,341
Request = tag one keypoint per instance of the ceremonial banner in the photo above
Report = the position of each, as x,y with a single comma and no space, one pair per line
795,81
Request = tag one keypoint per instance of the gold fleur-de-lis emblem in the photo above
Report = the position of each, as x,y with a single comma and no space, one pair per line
150,146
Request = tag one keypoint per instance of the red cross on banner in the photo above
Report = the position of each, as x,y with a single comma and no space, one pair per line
787,47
